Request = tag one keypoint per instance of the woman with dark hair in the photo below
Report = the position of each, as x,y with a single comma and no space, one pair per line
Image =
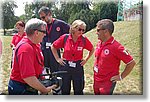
20,25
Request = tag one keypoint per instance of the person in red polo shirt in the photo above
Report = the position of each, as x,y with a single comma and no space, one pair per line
20,25
108,56
28,62
72,60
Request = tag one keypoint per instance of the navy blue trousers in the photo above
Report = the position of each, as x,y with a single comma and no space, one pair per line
18,88
74,74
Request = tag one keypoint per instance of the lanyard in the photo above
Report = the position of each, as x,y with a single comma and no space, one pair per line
98,54
49,30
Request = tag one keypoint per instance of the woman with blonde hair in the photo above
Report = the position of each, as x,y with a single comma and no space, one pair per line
72,60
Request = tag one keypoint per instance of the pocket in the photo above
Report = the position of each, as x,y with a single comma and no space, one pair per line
14,88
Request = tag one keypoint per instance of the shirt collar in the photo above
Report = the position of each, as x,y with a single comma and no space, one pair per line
26,39
24,34
79,38
109,41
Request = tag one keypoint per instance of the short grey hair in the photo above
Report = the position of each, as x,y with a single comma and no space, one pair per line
106,24
34,24
44,9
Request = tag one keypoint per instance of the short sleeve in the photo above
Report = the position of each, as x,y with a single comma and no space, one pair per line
59,43
88,44
13,40
123,54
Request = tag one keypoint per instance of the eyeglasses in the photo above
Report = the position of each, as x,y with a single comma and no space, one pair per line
42,31
99,30
43,17
81,29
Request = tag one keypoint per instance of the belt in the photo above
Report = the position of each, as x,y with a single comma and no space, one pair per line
73,63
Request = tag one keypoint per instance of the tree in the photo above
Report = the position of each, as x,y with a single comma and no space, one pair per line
31,10
9,19
88,11
106,10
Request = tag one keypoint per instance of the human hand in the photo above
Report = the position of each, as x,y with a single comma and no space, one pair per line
116,78
83,62
49,88
61,61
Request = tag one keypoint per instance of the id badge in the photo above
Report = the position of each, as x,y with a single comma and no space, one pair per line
71,64
48,45
96,69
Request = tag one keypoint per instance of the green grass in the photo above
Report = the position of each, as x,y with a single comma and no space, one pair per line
129,34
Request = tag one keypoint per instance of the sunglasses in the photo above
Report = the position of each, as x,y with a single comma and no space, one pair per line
81,29
43,17
42,31
99,30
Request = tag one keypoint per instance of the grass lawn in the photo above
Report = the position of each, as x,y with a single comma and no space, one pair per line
128,34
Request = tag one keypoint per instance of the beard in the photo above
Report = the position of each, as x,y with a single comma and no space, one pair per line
48,20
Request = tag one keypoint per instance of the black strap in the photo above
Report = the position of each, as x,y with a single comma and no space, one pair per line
16,52
84,40
65,39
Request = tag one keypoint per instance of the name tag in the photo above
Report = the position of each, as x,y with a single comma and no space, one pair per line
80,48
48,45
71,64
96,69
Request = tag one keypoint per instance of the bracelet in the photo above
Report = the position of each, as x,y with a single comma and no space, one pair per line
121,78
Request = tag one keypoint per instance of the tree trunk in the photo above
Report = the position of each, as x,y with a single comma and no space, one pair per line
4,31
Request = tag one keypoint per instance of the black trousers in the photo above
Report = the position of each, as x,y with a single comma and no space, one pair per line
49,60
74,74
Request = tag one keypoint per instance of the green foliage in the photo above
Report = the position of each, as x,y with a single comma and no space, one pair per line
106,10
87,11
9,19
31,10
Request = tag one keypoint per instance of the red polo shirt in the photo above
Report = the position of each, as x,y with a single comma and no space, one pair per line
73,51
29,63
17,38
108,57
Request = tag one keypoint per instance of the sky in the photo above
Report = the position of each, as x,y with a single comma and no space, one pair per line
21,5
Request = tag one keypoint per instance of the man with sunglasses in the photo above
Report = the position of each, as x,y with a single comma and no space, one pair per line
108,55
28,62
55,28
